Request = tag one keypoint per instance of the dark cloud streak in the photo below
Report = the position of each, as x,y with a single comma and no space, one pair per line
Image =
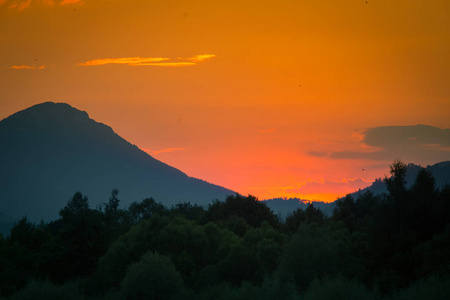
389,137
317,154
412,143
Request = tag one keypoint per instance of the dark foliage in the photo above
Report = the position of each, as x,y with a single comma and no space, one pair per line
144,210
390,246
248,208
299,216
187,210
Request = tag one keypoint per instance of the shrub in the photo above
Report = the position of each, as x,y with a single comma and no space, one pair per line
46,290
153,277
337,288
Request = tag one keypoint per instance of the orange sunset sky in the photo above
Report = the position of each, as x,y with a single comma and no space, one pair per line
288,98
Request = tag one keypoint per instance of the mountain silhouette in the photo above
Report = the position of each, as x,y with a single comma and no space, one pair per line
52,150
440,172
283,207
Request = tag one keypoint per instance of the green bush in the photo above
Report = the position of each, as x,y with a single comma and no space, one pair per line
153,277
433,288
46,290
338,288
314,251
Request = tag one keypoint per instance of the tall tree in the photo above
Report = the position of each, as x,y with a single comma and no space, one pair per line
81,239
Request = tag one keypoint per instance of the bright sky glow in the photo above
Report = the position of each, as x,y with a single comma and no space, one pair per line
311,99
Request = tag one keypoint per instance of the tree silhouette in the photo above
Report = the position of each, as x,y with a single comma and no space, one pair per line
396,184
81,238
112,208
76,207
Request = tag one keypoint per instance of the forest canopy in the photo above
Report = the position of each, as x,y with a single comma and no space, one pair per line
389,246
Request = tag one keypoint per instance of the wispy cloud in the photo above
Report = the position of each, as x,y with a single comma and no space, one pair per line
200,58
20,5
317,154
24,67
70,1
131,61
169,64
267,130
24,4
135,61
165,150
150,61
341,186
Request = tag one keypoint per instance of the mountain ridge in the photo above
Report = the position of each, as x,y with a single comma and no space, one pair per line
283,207
440,172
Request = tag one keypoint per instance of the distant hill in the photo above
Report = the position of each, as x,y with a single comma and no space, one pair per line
283,207
440,171
52,150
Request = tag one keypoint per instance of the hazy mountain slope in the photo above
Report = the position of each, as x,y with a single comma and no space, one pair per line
440,171
283,207
51,150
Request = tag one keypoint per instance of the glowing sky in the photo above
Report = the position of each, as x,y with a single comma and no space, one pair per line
311,99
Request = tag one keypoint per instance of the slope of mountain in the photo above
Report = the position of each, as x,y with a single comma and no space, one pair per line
283,207
440,172
52,150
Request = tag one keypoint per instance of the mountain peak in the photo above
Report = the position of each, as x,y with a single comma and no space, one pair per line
51,117
50,110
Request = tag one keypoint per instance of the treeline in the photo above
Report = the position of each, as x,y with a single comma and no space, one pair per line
392,246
